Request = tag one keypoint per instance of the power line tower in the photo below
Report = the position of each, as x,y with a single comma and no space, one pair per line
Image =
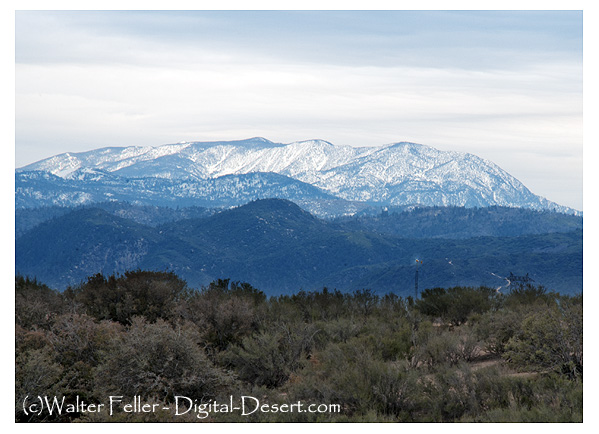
418,262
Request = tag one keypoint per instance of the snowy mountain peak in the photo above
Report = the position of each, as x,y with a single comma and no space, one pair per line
260,140
401,173
315,142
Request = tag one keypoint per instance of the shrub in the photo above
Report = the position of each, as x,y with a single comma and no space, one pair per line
270,357
224,312
78,338
454,305
495,329
158,361
442,347
350,375
528,294
550,340
36,305
150,294
36,374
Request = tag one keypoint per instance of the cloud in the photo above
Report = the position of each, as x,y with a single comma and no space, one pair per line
495,86
462,39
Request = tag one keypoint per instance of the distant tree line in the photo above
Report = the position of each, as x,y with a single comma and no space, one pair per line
461,222
460,354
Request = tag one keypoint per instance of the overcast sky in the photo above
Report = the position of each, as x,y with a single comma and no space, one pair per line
506,86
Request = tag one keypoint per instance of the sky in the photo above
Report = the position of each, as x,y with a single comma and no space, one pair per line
504,85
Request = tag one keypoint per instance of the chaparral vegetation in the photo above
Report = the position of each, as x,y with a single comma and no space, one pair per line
459,354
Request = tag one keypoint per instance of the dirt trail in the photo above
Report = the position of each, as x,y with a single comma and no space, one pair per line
486,360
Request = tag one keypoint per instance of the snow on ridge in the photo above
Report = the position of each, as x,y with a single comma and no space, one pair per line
305,160
395,173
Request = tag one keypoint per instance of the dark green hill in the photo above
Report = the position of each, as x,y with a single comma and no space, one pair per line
66,249
277,245
28,218
279,248
460,222
259,223
552,260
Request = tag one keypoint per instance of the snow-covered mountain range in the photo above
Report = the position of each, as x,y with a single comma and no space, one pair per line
311,171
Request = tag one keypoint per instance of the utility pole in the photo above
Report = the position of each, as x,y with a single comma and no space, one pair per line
418,262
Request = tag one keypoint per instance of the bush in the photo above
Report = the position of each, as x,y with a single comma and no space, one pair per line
150,294
224,312
66,357
350,375
455,393
322,305
447,347
36,305
495,329
387,342
78,338
36,374
454,305
157,361
528,294
541,399
550,340
270,357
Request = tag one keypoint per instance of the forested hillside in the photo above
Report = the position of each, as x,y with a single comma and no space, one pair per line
406,221
28,218
460,222
280,248
458,354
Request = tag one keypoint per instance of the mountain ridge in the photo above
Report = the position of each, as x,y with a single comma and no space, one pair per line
401,173
279,248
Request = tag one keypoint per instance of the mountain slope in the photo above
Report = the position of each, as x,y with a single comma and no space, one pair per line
65,249
279,248
28,218
89,186
460,222
397,174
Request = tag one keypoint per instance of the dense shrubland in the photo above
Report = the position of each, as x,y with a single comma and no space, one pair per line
455,354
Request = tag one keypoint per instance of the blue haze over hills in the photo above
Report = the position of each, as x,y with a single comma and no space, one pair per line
306,215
